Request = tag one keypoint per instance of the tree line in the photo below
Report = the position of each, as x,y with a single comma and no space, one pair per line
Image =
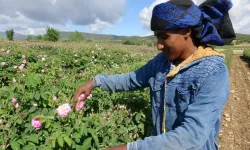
50,35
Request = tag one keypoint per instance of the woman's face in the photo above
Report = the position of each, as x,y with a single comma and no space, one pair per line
171,43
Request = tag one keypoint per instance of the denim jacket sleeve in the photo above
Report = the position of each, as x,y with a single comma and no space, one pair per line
199,118
127,81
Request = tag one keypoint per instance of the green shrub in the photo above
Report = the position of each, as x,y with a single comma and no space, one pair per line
39,37
89,40
10,34
29,38
51,34
128,42
150,44
246,55
76,37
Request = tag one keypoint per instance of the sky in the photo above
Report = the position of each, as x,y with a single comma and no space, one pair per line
116,17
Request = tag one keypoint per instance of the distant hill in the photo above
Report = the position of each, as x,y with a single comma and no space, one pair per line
242,36
107,36
93,36
89,36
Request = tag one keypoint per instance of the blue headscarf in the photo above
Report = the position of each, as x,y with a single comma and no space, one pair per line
210,21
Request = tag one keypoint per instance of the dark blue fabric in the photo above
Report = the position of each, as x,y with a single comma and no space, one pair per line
206,20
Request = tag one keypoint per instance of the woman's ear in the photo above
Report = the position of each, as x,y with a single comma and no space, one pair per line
186,32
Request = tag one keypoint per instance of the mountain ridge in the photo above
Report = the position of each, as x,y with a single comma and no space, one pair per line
93,36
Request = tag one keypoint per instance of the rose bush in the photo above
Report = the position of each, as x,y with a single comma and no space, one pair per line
38,81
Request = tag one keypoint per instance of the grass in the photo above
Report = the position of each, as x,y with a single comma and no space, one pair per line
228,57
246,55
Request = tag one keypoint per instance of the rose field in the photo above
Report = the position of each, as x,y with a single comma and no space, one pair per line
38,82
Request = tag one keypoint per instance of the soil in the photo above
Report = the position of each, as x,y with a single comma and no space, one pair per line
235,129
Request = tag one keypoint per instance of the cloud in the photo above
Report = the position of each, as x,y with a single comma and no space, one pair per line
38,14
239,14
98,25
146,14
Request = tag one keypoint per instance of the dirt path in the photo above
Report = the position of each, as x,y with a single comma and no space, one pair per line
235,131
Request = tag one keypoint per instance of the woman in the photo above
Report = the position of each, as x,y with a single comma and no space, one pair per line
188,80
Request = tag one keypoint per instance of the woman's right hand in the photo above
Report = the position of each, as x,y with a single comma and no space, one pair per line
85,89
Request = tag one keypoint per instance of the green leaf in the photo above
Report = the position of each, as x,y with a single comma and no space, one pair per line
141,126
15,145
47,125
53,143
138,117
87,143
122,129
32,110
29,147
67,140
83,130
19,121
42,118
76,135
33,138
44,95
60,141
37,95
2,111
94,137
21,141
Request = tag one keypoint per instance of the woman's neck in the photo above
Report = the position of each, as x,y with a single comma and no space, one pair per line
189,50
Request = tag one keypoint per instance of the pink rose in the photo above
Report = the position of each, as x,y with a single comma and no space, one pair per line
55,98
3,64
21,67
24,61
4,146
63,110
17,105
42,70
79,105
1,121
36,123
13,100
81,97
90,96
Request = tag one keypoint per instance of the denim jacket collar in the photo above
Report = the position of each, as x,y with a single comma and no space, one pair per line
202,52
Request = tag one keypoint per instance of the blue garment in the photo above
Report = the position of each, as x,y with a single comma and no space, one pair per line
210,21
193,98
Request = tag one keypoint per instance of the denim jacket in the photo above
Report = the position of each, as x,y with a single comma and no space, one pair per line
187,100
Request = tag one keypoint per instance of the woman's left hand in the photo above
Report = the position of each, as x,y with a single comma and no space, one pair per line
123,147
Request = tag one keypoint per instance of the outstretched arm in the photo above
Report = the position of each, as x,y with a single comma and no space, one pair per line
127,81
